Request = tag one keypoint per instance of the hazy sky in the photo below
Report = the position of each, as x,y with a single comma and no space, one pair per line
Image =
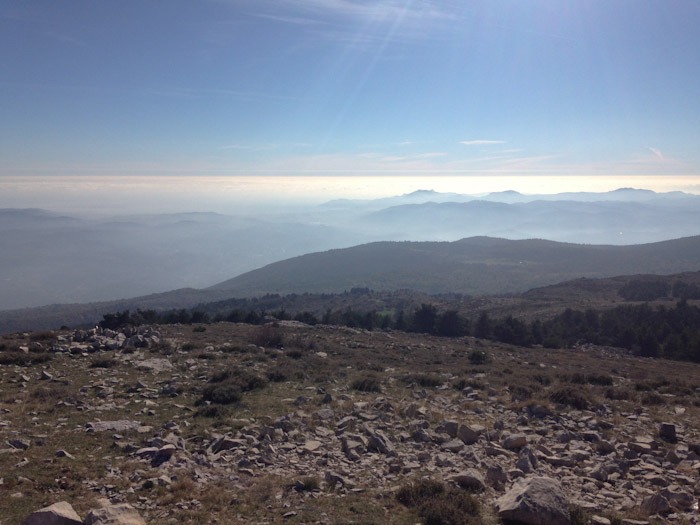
327,87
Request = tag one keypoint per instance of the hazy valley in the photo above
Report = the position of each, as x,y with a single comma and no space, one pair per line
48,258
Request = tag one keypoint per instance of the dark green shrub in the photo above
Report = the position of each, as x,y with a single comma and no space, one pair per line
461,384
520,393
103,362
478,357
366,384
418,492
221,393
199,328
228,386
652,398
243,379
600,380
268,336
573,397
424,380
307,484
19,358
542,380
439,505
276,375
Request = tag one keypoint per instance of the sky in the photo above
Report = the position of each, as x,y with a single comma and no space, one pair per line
403,94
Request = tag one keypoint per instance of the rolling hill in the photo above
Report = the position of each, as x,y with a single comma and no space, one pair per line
474,266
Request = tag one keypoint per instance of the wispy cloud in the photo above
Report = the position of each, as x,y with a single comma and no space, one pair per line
657,153
262,146
295,20
481,142
362,22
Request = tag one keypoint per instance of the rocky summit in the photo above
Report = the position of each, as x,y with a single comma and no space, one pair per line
288,423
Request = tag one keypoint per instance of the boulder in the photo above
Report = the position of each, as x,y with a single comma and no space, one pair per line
60,513
514,441
470,479
469,434
533,501
109,514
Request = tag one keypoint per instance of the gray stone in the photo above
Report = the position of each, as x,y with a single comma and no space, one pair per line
469,479
655,504
109,514
453,445
514,441
534,501
60,513
469,434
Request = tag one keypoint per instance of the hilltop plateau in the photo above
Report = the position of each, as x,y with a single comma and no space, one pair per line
284,422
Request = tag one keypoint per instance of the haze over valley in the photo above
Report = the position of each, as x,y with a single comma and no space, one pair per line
49,257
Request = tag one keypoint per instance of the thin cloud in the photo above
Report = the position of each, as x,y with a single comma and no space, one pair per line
658,153
481,142
295,20
362,22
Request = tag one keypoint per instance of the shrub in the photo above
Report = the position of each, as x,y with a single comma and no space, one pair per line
228,386
19,358
366,384
418,492
591,379
199,328
268,336
103,362
276,375
221,393
520,393
573,397
478,357
438,505
424,380
461,384
542,380
307,484
652,398
243,379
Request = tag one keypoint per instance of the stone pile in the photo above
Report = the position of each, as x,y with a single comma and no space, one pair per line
95,339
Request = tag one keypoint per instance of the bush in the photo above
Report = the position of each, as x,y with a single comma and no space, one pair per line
268,336
366,384
222,394
103,362
652,398
307,484
199,328
438,505
424,380
19,358
228,386
573,397
276,376
478,357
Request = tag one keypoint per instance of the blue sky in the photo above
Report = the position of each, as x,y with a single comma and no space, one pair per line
329,87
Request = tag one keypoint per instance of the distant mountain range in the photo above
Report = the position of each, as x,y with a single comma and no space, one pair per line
48,258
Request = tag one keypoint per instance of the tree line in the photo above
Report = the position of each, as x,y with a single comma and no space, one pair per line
668,332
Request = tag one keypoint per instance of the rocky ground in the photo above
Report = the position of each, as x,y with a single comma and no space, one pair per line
230,423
